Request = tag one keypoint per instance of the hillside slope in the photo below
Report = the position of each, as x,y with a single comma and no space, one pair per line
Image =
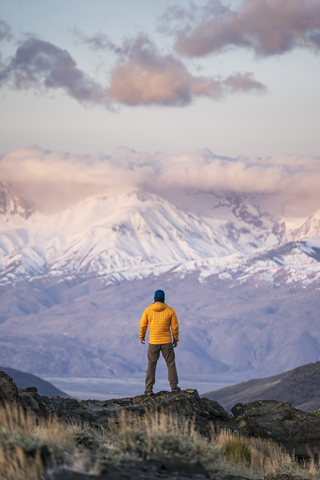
83,326
300,387
25,380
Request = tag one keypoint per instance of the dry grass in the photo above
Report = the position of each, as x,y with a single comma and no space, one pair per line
136,438
14,419
28,445
259,458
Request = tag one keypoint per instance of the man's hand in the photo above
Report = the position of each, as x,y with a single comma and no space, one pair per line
174,344
142,341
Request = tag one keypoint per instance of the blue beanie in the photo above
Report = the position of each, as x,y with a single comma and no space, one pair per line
159,296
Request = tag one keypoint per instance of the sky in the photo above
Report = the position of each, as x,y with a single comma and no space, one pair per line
240,78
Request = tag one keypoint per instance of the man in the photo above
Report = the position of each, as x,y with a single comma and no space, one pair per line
162,320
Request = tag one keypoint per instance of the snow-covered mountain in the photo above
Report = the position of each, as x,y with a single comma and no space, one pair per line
244,282
136,234
133,232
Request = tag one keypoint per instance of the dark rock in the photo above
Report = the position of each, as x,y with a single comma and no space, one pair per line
145,471
8,389
231,477
176,464
31,390
69,475
297,431
29,402
72,403
286,476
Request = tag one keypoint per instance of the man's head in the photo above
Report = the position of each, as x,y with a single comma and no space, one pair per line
159,296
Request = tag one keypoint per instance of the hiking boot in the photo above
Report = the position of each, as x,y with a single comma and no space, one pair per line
176,390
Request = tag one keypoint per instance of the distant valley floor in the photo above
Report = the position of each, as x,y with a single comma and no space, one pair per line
104,388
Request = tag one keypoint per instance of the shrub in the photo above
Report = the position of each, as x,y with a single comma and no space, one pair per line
237,450
157,433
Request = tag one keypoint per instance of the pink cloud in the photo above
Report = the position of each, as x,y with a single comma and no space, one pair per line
268,27
140,76
143,76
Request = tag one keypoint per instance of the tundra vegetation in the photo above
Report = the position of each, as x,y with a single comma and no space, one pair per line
33,448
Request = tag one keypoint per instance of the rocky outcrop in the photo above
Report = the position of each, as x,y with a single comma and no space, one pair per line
297,431
183,406
8,389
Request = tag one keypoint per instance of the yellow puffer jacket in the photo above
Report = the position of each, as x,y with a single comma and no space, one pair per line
160,318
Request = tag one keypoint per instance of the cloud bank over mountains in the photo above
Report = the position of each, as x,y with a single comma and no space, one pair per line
56,179
144,74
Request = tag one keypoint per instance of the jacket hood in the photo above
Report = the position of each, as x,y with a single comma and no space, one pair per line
158,306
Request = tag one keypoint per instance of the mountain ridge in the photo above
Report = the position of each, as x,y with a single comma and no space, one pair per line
25,380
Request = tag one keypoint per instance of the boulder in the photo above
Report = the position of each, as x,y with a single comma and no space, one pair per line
8,389
297,431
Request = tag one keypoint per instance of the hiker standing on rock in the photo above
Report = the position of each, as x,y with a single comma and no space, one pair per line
162,320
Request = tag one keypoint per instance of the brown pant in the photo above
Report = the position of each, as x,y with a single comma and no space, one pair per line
153,357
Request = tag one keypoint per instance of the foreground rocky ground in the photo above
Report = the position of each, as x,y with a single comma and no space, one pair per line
297,431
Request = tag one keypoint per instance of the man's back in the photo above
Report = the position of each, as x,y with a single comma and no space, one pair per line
160,318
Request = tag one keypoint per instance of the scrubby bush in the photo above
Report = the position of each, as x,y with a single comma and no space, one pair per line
157,434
